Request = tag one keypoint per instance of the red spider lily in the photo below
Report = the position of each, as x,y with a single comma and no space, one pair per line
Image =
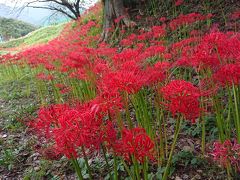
179,2
183,98
100,67
126,55
159,31
210,52
135,142
110,135
129,40
69,128
124,80
117,20
46,77
235,15
63,88
228,74
108,102
162,19
51,153
187,19
227,152
154,51
157,73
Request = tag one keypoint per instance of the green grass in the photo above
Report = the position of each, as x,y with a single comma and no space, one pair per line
17,102
42,35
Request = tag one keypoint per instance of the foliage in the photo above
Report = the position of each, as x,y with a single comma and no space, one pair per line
12,29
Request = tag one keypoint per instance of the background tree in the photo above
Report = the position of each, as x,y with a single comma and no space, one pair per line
115,9
70,8
112,9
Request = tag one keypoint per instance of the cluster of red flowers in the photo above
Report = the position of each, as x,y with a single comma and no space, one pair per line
182,97
135,142
227,153
187,20
68,129
228,74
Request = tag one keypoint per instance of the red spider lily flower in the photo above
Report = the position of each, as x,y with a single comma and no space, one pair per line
63,88
167,56
217,49
162,19
108,102
138,17
158,31
49,153
154,51
208,87
126,42
235,15
135,142
117,20
110,135
195,33
228,74
227,152
210,52
70,128
157,73
124,80
100,67
129,40
187,19
126,55
46,77
183,98
179,2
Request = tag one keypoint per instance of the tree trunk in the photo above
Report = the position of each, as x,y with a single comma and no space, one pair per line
112,10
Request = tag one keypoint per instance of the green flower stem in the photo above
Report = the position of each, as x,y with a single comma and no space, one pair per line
127,169
145,168
136,168
105,157
128,117
236,104
219,118
203,125
115,167
77,168
87,164
176,133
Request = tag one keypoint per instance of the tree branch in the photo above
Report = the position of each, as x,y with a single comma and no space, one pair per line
54,9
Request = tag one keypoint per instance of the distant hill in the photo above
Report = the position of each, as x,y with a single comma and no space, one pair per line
40,36
12,28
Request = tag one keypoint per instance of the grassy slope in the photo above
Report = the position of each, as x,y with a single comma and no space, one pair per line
18,102
39,36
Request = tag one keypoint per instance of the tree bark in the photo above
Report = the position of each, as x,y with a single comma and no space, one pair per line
112,10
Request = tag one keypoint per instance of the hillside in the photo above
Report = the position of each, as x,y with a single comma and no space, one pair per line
37,37
12,29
